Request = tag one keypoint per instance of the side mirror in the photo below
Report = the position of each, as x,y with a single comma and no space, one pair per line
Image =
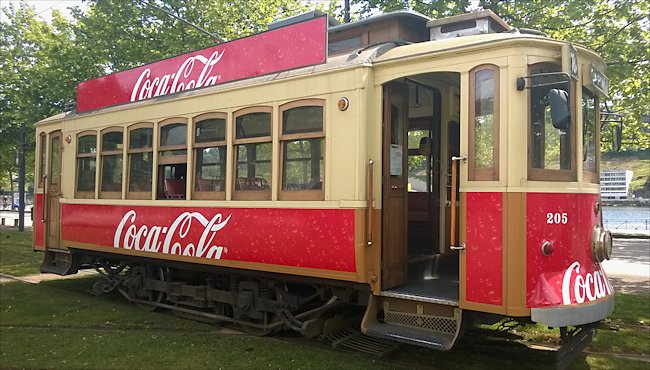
616,138
560,109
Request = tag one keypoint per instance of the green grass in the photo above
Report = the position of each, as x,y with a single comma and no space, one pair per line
60,324
16,255
631,313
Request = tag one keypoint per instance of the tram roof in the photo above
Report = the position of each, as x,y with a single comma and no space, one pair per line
368,56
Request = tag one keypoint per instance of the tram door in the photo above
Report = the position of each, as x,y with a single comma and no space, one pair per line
395,179
53,192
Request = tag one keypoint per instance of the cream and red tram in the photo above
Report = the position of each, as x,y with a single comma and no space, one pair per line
448,176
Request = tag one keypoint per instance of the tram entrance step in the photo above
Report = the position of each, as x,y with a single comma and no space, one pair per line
59,263
356,340
424,324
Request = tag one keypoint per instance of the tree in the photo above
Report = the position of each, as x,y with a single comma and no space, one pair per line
618,30
41,64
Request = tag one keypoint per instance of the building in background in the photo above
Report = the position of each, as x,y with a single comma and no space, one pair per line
615,184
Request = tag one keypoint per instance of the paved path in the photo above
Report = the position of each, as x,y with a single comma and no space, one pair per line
629,268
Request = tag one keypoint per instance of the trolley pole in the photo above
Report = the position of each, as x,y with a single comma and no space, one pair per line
21,179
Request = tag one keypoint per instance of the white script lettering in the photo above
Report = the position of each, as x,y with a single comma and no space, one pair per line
590,286
148,238
148,86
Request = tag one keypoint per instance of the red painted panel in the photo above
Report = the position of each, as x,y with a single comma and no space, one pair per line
38,226
569,274
314,238
294,46
484,253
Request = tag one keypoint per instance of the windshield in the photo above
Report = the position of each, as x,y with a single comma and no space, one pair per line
550,120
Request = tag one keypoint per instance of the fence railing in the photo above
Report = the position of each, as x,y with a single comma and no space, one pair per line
628,225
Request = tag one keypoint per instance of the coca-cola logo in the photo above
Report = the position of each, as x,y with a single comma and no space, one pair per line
584,286
173,239
185,78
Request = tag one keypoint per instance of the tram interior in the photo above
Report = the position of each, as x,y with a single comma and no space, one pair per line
433,138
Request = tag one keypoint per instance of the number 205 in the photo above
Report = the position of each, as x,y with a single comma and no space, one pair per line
557,218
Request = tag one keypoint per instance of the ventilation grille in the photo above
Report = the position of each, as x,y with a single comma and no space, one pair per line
440,324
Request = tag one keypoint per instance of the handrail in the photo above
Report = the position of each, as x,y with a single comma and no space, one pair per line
454,170
369,200
44,198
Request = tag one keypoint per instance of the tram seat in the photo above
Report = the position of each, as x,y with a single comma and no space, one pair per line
418,208
174,189
208,185
251,183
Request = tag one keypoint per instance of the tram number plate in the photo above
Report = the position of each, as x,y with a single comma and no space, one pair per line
557,218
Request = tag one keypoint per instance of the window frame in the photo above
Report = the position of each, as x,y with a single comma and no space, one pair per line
238,194
138,194
207,195
42,156
102,154
488,173
592,177
306,194
542,174
78,156
170,160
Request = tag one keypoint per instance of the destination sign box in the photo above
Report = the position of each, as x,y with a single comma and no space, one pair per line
294,46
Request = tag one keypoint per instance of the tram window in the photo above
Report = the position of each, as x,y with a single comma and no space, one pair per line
111,164
551,154
172,160
210,156
589,138
140,154
483,156
55,160
302,150
42,159
419,150
253,153
86,165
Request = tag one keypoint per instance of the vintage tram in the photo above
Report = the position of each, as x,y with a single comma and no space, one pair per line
430,172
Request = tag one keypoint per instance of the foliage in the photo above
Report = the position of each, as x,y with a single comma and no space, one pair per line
41,63
618,30
638,162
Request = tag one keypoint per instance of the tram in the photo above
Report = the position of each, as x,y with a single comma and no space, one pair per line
430,172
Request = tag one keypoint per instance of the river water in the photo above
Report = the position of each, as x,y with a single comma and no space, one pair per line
626,218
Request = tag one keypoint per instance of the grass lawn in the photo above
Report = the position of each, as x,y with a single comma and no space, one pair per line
16,255
60,324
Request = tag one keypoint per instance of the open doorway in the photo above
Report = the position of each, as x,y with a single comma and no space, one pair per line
421,133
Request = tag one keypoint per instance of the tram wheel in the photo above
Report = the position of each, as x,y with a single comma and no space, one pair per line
152,296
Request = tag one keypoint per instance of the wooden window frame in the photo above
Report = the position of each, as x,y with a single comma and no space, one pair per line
138,194
542,174
102,154
86,194
172,159
251,194
318,194
489,173
42,158
208,195
164,160
593,177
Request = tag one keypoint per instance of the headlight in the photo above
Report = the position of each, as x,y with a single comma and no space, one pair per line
601,244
